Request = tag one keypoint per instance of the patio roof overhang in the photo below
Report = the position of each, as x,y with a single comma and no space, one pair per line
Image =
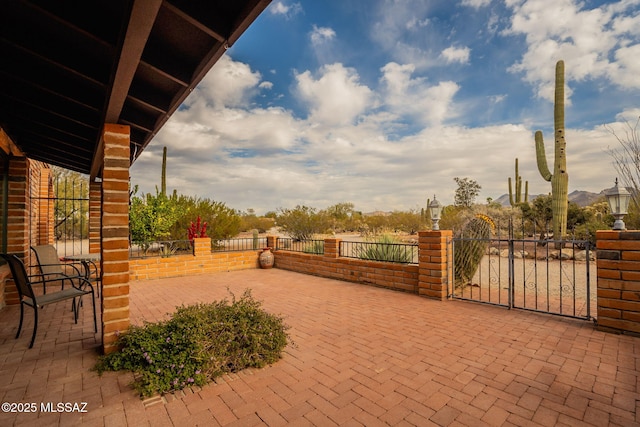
69,67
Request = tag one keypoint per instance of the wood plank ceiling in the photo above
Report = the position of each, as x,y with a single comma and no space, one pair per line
68,67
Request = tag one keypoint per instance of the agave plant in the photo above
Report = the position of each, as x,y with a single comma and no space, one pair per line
385,248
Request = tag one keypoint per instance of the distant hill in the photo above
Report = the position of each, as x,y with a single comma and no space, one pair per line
581,198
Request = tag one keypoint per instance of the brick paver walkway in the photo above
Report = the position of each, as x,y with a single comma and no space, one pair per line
361,356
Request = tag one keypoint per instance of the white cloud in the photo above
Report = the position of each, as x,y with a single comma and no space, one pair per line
335,96
288,11
456,54
321,35
476,4
404,95
229,83
265,158
595,43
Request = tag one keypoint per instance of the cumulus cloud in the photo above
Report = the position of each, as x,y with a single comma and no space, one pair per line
288,11
405,95
228,84
335,96
597,43
476,4
456,54
320,35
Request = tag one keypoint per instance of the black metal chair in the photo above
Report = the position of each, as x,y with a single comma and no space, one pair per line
28,297
52,270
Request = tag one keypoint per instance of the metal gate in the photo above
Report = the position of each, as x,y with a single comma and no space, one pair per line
529,273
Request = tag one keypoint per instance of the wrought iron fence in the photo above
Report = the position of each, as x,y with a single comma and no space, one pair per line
165,248
405,253
523,268
240,244
310,246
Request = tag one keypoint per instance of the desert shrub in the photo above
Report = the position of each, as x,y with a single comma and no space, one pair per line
385,248
197,344
314,247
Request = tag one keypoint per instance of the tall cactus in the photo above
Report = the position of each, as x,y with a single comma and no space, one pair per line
559,178
163,179
518,184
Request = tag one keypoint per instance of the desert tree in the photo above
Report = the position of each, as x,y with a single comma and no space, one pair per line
626,161
466,193
626,156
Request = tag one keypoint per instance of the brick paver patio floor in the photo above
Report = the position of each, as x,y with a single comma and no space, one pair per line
361,356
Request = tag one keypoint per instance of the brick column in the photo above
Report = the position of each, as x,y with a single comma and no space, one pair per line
115,234
332,248
95,204
46,209
433,278
201,246
618,263
271,242
17,221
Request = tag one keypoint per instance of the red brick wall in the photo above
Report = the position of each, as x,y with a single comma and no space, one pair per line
618,261
427,278
28,182
203,261
385,274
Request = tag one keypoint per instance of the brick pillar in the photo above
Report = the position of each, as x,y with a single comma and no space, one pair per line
46,208
271,242
115,234
17,221
433,278
202,246
332,248
95,203
618,264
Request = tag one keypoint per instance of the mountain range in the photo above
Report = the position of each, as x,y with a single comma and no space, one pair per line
581,198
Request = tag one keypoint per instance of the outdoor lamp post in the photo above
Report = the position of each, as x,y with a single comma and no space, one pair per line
618,198
434,210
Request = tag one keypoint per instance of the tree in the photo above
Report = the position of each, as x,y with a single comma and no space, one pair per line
339,216
302,222
466,193
222,221
626,158
71,206
151,217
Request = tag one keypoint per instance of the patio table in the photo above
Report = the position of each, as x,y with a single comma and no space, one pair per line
88,262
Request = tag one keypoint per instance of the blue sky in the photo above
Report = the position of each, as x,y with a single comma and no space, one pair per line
382,103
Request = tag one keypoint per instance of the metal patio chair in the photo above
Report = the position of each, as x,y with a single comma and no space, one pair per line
29,298
52,270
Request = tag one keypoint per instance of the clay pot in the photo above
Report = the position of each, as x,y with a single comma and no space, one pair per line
266,258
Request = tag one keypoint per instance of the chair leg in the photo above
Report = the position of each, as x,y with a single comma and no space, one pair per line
35,326
21,317
95,322
75,307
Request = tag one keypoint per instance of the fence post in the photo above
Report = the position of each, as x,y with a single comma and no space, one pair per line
201,246
271,242
618,281
332,248
433,278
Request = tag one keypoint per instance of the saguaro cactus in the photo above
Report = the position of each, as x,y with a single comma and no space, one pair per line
559,178
163,179
518,184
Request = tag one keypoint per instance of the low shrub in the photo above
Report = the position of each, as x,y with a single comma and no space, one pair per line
314,247
197,344
385,248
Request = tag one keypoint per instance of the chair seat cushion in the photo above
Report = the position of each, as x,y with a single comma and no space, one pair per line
64,294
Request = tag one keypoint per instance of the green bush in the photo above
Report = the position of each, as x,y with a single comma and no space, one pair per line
199,343
385,248
314,247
